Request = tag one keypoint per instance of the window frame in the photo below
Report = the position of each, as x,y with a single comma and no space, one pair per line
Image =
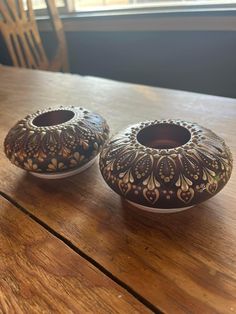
191,6
211,18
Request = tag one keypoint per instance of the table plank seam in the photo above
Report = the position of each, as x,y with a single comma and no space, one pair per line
89,259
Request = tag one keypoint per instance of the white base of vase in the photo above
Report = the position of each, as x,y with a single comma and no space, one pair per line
64,174
158,210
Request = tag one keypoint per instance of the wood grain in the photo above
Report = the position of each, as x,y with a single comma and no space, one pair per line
40,274
181,263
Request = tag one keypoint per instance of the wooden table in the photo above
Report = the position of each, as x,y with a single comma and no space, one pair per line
73,246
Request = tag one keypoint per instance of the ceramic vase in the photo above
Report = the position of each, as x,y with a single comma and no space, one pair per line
166,165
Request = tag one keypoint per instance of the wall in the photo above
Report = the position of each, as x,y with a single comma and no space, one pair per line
188,58
198,61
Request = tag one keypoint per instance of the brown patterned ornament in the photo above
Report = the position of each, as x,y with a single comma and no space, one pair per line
56,142
166,165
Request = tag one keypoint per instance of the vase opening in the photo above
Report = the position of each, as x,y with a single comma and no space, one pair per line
51,118
163,136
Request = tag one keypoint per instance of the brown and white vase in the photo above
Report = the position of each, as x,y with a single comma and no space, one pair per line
58,142
166,165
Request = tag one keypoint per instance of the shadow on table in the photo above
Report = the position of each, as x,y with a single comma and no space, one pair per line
202,226
86,199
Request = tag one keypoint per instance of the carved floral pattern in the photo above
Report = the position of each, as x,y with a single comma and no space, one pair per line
58,147
166,178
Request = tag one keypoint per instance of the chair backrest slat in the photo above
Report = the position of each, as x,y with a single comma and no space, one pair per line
30,11
22,11
61,57
18,50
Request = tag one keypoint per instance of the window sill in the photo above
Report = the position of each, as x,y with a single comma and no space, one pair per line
184,18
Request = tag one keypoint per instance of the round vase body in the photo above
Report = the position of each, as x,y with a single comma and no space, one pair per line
56,143
166,165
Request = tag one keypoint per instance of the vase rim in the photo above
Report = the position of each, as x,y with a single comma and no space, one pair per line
192,129
163,135
37,120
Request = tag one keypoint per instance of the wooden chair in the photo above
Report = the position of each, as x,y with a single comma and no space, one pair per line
20,32
61,58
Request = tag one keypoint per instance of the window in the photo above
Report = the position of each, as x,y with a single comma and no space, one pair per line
41,4
116,4
97,5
